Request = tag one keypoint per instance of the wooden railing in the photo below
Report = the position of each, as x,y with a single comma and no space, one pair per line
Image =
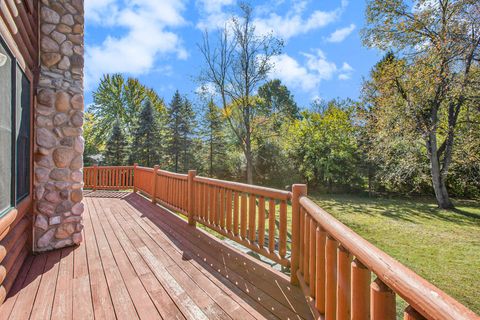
108,178
332,264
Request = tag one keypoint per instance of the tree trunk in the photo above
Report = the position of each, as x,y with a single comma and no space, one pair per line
249,159
438,179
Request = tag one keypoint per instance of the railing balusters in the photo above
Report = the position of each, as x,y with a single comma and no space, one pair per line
312,260
243,218
261,221
283,229
306,246
382,301
331,278
360,294
236,213
222,208
229,210
271,225
251,217
343,284
320,244
411,314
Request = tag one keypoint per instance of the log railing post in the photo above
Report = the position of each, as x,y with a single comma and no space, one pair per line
382,301
154,183
191,197
361,279
95,176
135,165
298,191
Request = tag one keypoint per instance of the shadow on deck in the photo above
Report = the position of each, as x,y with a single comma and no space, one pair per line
138,260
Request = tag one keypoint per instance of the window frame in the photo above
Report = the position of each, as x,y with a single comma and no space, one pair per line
24,202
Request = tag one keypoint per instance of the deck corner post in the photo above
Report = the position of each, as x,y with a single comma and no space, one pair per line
95,176
298,191
154,183
135,165
191,197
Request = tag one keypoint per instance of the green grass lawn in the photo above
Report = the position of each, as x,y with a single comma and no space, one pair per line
441,246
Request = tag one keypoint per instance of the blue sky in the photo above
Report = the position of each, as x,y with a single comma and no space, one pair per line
156,41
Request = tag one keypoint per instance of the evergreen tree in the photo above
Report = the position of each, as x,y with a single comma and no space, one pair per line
181,127
116,150
215,141
146,138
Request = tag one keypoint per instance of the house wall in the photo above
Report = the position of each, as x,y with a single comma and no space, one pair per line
18,29
59,145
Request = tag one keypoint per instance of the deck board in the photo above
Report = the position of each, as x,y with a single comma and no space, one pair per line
140,261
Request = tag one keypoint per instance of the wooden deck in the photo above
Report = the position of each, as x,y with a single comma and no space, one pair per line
140,261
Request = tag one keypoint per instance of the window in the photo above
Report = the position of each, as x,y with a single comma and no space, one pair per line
14,131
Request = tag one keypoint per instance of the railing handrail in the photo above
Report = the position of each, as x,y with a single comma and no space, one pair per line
247,188
422,296
108,167
415,290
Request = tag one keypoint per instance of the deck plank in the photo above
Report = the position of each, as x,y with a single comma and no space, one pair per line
158,294
140,298
82,294
140,261
234,305
191,274
63,300
281,304
122,302
101,300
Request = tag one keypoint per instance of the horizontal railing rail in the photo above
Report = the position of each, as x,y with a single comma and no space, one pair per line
331,263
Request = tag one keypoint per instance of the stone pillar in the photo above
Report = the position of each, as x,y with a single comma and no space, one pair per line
58,141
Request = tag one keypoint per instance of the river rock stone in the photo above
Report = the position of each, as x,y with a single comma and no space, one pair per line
77,119
45,138
49,45
50,16
79,144
62,102
41,222
76,163
60,174
46,238
77,102
46,208
78,208
62,157
76,195
77,176
65,230
46,97
50,59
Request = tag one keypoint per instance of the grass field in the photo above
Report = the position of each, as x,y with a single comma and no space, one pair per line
441,246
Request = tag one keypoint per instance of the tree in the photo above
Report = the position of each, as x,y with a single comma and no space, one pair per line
147,138
276,100
438,46
181,126
117,98
215,138
323,146
93,150
236,65
116,151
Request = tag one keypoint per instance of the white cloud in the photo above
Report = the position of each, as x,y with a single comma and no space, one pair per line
346,72
294,23
212,13
147,34
308,75
340,34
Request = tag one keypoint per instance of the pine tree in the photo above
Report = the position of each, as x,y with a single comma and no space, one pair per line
181,127
146,138
117,147
215,140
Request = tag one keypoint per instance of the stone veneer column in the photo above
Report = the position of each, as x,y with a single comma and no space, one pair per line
59,145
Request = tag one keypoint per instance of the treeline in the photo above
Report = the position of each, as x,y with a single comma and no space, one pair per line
414,130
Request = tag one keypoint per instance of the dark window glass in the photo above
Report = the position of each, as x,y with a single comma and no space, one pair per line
22,134
6,127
